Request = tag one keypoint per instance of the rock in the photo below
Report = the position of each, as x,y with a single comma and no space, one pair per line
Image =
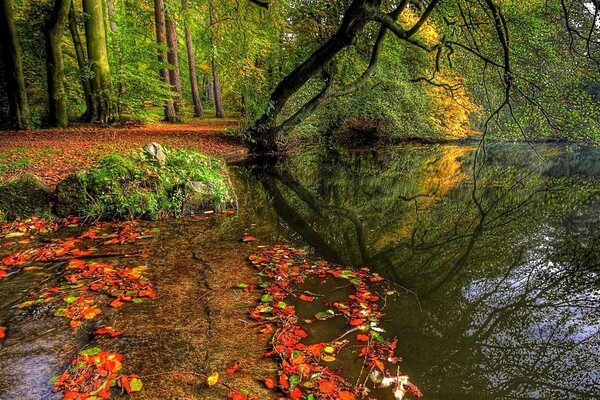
157,152
25,197
199,197
71,195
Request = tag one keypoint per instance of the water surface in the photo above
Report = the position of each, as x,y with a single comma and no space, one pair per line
500,268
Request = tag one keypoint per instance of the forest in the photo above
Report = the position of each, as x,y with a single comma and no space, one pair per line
299,199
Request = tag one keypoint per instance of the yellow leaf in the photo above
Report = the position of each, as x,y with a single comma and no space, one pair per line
328,358
213,379
329,349
26,304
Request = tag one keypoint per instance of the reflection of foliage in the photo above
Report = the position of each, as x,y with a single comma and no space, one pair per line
506,272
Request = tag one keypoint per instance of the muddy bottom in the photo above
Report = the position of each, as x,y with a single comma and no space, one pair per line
194,326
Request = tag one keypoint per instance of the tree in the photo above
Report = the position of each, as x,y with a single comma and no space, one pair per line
53,32
219,111
95,34
191,60
13,68
483,23
171,30
161,39
81,60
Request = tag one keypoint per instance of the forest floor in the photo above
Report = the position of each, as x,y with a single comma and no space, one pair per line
52,154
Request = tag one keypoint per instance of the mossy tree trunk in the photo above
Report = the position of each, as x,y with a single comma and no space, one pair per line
95,34
53,34
81,60
15,80
191,61
161,40
171,29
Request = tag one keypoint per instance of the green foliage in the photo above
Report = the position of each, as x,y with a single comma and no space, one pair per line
134,186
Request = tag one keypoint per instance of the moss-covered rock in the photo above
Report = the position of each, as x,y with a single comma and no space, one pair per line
71,195
24,197
136,186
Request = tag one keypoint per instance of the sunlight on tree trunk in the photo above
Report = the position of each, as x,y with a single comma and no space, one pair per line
95,34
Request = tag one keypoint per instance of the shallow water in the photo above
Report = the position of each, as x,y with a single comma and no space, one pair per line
500,273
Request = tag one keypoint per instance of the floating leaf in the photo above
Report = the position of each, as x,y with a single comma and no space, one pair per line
212,379
90,352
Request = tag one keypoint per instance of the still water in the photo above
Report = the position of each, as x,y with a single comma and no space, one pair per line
500,267
498,272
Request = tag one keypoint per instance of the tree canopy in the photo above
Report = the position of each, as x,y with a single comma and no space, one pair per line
409,68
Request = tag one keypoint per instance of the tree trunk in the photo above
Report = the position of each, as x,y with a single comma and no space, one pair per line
110,5
210,88
15,80
219,111
264,131
95,34
161,40
191,61
81,61
53,33
171,28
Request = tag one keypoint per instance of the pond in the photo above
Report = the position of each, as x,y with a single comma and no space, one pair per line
501,271
497,270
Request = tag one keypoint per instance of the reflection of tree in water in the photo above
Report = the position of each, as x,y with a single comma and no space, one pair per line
507,276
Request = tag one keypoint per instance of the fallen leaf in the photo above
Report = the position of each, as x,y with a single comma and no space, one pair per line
213,379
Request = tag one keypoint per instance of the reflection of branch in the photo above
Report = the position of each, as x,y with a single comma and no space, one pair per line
263,4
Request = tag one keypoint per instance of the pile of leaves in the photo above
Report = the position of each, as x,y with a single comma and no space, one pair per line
303,371
92,374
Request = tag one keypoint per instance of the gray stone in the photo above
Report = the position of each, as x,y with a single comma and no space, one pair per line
156,152
199,197
71,195
25,197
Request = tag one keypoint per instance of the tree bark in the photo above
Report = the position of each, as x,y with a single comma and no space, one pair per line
210,88
161,40
110,5
191,61
15,80
81,60
219,111
53,33
171,28
95,34
264,131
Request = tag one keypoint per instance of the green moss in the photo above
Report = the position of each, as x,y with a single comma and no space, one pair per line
24,197
134,186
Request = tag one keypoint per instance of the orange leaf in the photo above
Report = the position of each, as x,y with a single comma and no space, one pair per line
362,338
326,387
269,383
345,395
116,302
2,332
